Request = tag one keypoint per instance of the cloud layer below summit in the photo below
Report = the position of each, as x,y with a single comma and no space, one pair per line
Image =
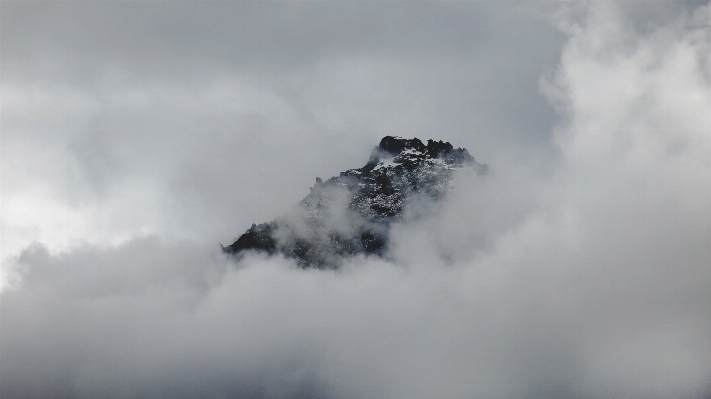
135,140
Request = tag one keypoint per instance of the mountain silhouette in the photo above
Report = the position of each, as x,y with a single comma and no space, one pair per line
351,214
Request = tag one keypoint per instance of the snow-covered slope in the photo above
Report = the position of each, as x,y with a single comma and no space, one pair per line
351,214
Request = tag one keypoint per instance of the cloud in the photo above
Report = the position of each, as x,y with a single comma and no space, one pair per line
588,281
154,119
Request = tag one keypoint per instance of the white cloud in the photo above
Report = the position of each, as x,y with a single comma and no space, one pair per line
591,281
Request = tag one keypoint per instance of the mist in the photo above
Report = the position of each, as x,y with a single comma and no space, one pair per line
577,267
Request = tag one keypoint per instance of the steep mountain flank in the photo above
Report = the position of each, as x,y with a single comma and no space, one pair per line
351,214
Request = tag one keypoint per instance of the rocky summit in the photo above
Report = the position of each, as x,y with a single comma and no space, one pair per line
351,214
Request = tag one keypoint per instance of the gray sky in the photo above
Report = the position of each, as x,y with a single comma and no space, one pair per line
136,136
218,114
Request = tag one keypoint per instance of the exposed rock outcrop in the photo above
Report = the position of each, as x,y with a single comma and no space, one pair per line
351,214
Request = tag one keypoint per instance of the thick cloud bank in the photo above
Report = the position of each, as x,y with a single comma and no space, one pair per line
593,282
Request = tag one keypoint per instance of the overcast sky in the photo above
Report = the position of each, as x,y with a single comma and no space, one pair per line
138,136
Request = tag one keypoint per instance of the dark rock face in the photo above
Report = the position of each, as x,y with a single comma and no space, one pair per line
350,214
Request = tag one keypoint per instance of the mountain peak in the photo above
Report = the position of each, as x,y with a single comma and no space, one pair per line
414,148
351,214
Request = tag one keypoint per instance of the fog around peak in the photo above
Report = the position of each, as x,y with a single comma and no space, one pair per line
577,267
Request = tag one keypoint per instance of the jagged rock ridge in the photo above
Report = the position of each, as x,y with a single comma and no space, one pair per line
350,214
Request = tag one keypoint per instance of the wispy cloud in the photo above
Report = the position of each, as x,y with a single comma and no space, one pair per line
579,270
